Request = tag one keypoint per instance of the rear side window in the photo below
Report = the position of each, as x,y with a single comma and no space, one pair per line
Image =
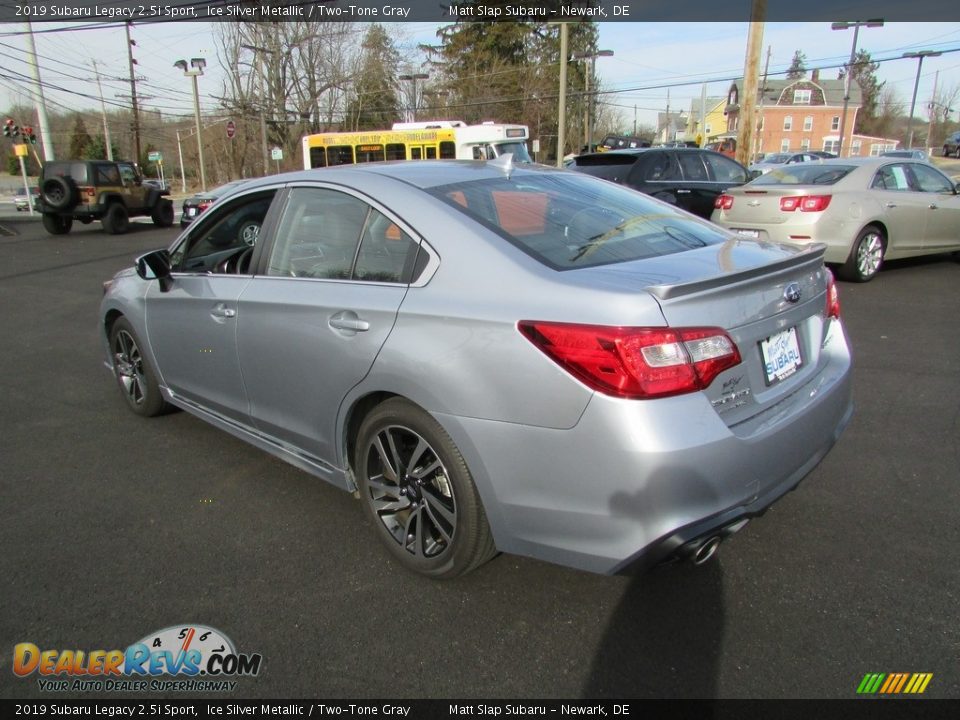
661,167
77,171
692,166
569,220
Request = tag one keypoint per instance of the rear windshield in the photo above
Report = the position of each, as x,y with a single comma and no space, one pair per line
75,170
568,220
804,174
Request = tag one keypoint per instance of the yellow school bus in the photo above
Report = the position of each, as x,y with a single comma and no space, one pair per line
429,140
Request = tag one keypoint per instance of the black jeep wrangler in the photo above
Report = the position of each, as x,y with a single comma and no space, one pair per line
88,190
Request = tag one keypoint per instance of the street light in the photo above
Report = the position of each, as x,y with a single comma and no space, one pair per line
197,64
592,57
846,77
413,77
920,56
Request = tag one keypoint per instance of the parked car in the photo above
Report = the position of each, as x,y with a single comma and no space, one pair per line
912,154
196,204
772,161
951,145
495,357
88,190
22,202
866,210
621,142
689,178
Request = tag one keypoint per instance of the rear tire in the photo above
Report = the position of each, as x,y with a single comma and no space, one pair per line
163,214
57,224
418,493
115,220
866,256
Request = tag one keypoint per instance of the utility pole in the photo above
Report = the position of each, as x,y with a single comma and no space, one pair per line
103,113
40,103
702,125
751,76
133,93
562,109
758,145
933,111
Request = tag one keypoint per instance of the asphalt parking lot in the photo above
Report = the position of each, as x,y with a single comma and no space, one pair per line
113,527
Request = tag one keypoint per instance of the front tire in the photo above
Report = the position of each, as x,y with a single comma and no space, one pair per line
417,491
133,372
866,256
57,224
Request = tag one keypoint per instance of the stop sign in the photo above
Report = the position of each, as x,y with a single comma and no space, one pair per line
231,129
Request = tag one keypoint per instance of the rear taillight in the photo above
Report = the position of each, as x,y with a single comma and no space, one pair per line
201,206
805,203
87,191
833,297
723,202
631,362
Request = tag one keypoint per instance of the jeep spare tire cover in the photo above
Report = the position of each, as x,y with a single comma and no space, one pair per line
60,193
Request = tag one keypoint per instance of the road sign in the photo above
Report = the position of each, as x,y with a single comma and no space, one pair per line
276,154
155,156
231,129
20,150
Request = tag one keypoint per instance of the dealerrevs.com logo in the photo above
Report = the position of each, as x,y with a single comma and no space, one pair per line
200,659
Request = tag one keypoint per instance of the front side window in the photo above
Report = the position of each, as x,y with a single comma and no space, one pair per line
724,169
226,232
127,173
929,180
328,234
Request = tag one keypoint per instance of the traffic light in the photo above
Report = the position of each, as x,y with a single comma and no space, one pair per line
28,135
10,129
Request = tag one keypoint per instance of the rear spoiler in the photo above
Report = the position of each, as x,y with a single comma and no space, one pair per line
811,255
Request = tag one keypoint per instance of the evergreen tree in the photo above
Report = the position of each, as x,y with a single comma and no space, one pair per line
374,103
798,66
80,138
865,75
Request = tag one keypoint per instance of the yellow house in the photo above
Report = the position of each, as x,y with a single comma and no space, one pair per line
716,121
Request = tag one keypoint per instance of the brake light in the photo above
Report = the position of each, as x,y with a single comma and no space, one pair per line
201,206
833,297
723,202
635,362
805,203
88,191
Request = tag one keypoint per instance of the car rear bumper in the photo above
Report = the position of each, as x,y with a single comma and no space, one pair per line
635,481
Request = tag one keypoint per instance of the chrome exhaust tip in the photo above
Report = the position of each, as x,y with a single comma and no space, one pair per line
706,550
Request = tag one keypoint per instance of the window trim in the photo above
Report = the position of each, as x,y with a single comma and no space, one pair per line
787,123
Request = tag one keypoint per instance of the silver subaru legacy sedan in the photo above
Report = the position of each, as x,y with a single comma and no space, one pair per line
495,357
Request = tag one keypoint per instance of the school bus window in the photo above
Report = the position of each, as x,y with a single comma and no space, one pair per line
448,150
340,155
396,151
416,153
369,153
431,152
318,158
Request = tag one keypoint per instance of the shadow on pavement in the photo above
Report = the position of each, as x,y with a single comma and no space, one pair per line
664,639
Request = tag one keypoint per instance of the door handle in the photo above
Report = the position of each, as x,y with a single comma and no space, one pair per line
220,310
349,322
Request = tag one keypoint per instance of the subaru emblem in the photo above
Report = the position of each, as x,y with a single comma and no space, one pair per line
791,293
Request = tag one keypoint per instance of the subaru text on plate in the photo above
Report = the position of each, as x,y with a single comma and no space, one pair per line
495,357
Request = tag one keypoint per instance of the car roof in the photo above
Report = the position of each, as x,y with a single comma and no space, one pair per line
421,173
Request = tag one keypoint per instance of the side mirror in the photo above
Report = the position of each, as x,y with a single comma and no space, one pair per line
155,266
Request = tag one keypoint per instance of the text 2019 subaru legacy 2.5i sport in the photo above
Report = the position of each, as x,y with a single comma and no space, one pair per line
495,357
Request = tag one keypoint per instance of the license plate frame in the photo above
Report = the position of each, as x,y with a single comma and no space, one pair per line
747,233
780,355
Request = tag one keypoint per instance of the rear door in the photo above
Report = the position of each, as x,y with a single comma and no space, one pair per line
314,319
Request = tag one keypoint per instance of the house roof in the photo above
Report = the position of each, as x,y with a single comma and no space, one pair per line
832,89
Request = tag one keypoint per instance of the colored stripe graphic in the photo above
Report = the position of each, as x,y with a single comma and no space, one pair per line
894,683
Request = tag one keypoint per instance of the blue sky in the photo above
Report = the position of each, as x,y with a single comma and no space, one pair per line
646,55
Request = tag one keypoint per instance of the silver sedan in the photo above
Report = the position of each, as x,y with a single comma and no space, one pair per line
495,357
865,210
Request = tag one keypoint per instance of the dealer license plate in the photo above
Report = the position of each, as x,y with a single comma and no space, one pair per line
781,355
747,233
